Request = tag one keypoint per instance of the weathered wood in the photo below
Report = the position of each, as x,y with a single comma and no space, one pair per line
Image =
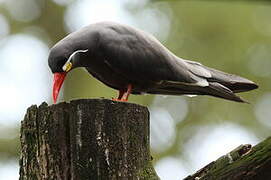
94,139
243,163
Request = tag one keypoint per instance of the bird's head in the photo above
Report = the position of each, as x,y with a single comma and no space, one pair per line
61,61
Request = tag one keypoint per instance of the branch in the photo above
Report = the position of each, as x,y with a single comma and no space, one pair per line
243,162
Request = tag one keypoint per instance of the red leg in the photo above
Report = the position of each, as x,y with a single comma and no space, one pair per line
123,95
127,93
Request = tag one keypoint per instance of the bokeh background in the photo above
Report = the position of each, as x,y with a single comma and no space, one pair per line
186,133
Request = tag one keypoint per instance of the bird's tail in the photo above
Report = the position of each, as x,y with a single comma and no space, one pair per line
233,82
220,84
213,89
218,90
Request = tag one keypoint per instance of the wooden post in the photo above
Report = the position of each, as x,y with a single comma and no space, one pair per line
95,139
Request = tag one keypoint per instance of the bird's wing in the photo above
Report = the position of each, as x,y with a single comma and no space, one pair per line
139,56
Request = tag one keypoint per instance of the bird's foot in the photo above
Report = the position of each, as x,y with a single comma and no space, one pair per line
119,100
124,94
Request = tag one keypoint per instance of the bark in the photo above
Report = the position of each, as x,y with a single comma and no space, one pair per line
243,163
94,139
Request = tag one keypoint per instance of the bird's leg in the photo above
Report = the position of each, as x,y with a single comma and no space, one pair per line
127,93
123,95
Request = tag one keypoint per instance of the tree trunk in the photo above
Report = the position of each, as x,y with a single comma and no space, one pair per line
94,139
243,163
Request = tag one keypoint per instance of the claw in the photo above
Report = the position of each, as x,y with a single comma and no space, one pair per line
119,100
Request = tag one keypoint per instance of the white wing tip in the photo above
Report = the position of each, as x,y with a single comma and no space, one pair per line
202,83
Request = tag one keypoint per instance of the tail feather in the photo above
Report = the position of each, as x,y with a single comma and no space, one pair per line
218,90
216,83
233,82
214,89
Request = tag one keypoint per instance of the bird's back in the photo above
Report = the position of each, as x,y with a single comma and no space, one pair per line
128,48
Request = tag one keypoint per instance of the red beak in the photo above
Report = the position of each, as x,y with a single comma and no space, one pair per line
57,83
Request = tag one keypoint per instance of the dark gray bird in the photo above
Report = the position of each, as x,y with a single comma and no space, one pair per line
132,61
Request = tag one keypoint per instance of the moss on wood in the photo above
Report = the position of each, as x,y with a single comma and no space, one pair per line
243,162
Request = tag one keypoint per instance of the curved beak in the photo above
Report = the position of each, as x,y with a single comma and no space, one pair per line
57,83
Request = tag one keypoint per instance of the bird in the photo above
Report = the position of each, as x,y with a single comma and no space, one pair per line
133,61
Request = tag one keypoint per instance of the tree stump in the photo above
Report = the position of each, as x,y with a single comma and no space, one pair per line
95,139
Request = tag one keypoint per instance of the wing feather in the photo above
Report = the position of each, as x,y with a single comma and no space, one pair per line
139,56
